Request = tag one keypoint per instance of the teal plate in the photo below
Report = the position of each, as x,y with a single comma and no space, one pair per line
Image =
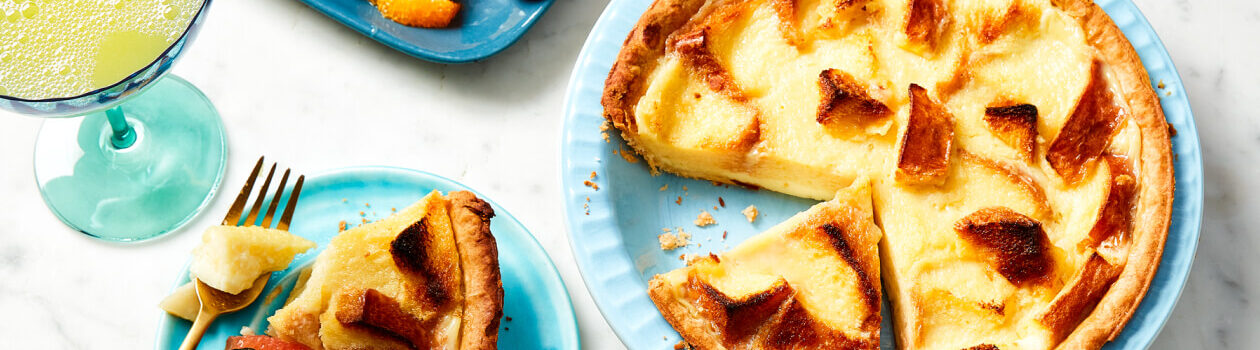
534,295
481,29
615,242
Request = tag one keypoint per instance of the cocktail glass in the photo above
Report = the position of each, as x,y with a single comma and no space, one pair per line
145,157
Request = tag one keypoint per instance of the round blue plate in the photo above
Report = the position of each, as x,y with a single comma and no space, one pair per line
534,295
482,28
615,242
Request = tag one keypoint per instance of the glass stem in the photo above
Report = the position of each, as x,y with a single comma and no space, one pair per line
124,135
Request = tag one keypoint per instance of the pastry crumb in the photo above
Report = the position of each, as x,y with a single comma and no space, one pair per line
593,175
365,220
367,205
721,202
684,188
705,219
671,241
509,318
604,126
664,187
393,210
723,234
605,136
246,331
361,213
341,226
590,184
343,200
1161,84
678,201
629,157
750,212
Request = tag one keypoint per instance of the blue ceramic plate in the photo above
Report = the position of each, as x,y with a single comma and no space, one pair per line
534,295
615,244
482,28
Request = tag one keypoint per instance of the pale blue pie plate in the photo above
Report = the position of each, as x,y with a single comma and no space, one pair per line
534,295
615,244
481,29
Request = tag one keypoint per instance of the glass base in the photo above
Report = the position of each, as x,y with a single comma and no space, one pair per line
142,191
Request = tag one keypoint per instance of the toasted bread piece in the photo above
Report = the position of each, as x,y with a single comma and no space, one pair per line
1016,125
926,144
810,282
847,100
1083,139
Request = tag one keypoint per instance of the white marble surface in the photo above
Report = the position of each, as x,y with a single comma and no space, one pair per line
307,91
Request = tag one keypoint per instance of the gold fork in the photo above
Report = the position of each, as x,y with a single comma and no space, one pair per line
215,302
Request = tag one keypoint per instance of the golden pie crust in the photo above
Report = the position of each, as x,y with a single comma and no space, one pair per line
1110,272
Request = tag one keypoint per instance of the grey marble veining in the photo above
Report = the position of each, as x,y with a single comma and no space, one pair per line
342,99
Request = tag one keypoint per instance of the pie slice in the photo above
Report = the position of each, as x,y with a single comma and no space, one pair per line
424,278
809,282
1009,145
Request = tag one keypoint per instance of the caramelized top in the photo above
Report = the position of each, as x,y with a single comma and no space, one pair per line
1016,125
742,317
870,293
925,146
415,253
845,99
1016,243
926,21
1088,130
693,46
1011,18
795,328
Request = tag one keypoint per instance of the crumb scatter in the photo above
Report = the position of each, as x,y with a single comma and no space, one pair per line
750,212
672,240
590,184
704,219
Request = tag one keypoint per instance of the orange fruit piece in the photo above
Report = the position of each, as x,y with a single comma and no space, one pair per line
419,13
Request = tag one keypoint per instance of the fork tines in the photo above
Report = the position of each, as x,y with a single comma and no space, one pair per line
234,213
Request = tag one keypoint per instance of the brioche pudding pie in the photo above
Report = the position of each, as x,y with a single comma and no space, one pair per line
998,151
426,277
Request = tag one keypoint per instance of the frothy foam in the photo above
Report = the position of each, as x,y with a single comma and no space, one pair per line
63,48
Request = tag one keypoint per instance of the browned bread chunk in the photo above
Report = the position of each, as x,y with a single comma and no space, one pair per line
846,100
926,143
1016,125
